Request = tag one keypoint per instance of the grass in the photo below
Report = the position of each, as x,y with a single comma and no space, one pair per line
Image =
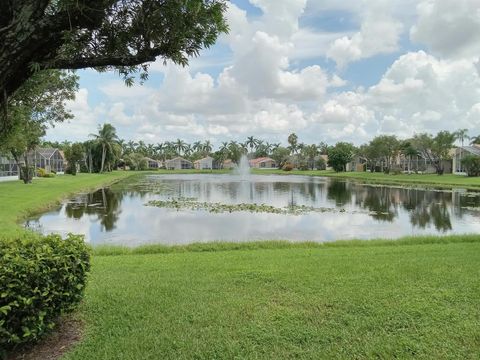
409,298
427,180
18,200
286,301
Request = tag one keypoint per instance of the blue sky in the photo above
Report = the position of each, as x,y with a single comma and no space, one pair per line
326,70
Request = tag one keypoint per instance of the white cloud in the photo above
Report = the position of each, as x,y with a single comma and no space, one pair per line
379,34
450,28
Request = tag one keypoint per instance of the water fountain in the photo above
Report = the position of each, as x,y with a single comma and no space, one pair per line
243,167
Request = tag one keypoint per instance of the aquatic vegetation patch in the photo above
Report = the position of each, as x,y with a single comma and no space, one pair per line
192,204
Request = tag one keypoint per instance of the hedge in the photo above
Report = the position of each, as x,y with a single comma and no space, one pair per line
41,277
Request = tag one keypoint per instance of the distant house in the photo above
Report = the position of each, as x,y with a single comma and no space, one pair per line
358,163
263,163
153,164
228,164
49,159
459,153
207,163
178,163
8,167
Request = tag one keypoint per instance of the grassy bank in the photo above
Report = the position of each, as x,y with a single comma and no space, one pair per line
19,200
427,180
348,301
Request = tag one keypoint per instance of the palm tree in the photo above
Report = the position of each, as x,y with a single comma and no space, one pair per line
207,147
107,138
179,146
251,143
197,146
475,140
461,135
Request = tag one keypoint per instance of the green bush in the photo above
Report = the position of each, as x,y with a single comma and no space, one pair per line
472,165
41,277
43,173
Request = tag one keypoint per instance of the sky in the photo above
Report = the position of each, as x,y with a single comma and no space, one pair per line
327,70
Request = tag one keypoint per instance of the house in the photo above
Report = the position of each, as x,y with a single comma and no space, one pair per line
262,163
358,163
50,159
459,153
228,164
153,164
207,163
8,167
178,163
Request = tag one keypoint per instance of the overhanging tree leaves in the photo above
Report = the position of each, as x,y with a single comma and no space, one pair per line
103,34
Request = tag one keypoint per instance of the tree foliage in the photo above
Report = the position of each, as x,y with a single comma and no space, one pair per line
340,155
104,34
435,148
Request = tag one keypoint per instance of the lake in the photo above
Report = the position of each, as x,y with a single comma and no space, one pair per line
182,209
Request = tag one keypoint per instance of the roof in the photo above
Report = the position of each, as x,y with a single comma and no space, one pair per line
472,149
46,152
260,160
178,158
208,158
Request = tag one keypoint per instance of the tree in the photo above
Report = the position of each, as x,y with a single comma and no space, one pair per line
408,151
435,149
340,155
472,164
104,34
385,147
180,146
39,103
106,138
251,143
475,140
310,152
136,161
293,141
73,154
281,156
41,100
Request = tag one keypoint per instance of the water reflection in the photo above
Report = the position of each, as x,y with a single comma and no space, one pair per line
119,215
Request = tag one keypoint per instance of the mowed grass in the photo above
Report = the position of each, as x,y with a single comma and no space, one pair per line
412,300
431,180
18,200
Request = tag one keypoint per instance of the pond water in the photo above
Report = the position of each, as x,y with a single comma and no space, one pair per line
201,208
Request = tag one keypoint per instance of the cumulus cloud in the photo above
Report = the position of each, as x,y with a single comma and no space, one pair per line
271,78
379,34
449,28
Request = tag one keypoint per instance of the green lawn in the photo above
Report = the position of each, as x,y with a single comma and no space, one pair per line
353,301
443,181
415,297
19,200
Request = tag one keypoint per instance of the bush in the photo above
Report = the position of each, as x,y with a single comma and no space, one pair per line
43,173
41,277
472,165
287,167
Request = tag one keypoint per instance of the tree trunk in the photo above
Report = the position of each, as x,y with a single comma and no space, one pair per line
27,179
104,154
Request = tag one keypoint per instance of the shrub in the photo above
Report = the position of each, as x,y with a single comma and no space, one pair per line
472,165
41,277
43,173
287,167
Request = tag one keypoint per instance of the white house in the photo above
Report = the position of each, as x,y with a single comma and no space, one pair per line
207,163
178,163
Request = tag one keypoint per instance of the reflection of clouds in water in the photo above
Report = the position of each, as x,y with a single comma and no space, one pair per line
372,212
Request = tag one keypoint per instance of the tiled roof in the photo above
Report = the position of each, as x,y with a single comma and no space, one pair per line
260,160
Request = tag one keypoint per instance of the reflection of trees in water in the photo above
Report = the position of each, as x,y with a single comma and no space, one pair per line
425,207
340,192
381,202
104,203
